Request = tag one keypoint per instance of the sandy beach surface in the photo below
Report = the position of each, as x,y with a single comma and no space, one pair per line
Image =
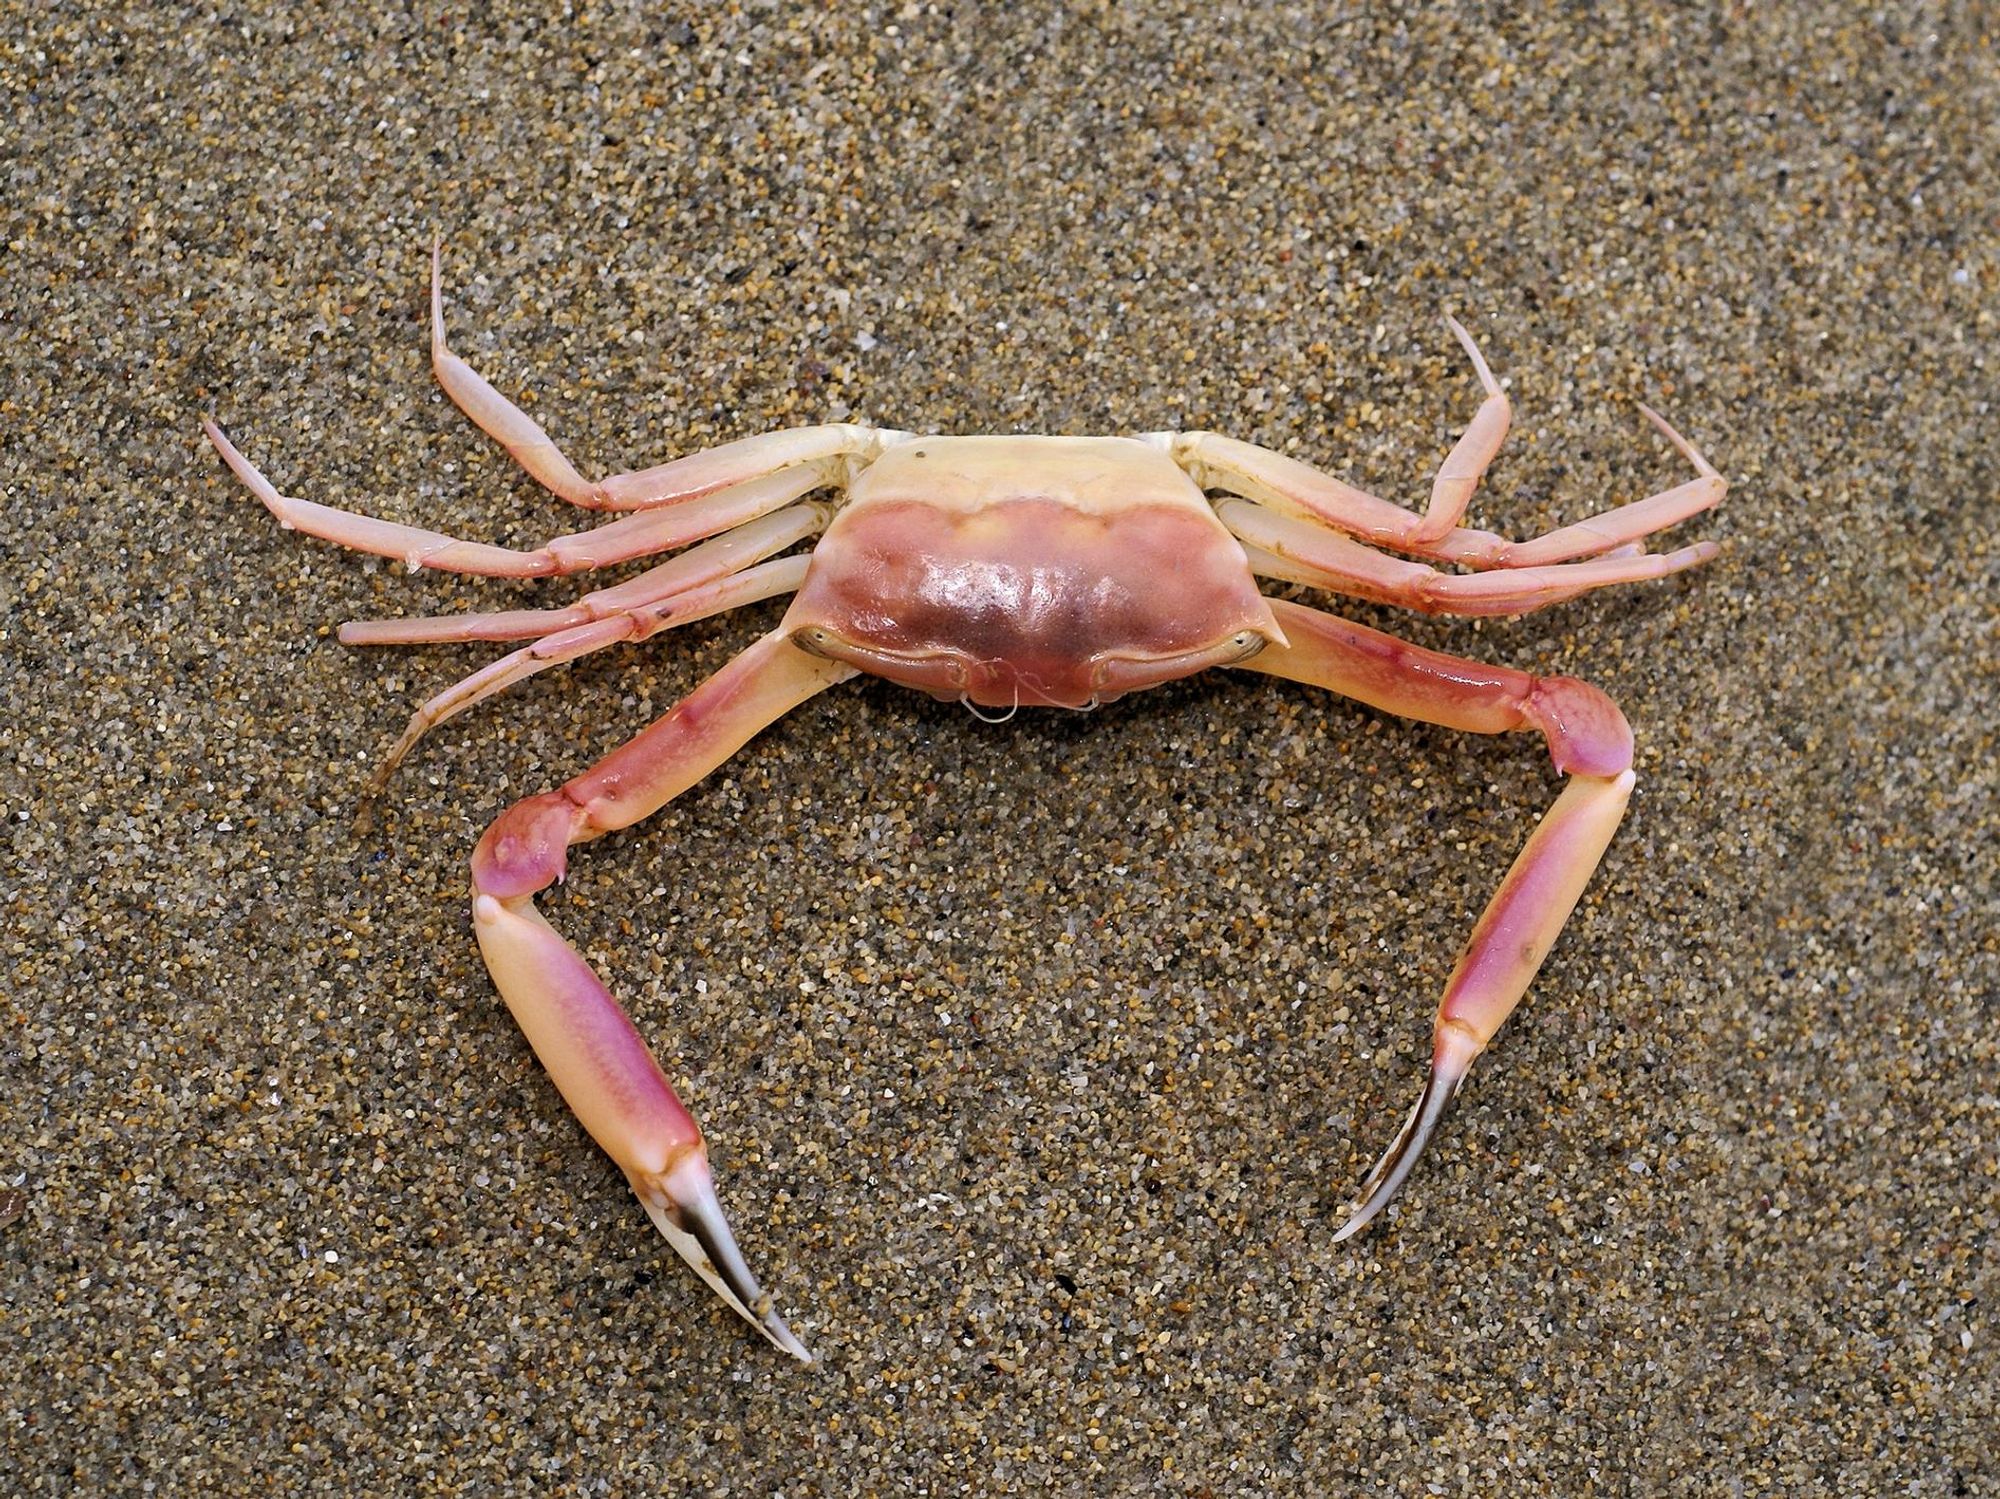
1038,1060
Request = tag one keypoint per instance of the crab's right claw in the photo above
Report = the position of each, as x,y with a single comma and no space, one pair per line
614,1085
594,1055
1449,1065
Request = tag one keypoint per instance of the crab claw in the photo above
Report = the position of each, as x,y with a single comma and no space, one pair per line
615,1087
593,1053
683,1206
1450,1062
1521,923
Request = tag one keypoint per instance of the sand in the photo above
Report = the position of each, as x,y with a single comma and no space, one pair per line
1038,1060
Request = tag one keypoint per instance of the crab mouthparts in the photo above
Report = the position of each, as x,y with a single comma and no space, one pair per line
1008,681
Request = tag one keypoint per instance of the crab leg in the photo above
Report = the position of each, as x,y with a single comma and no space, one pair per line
1464,466
1229,463
1298,489
1299,552
672,483
1218,462
589,1046
1589,742
640,622
1601,533
621,540
726,554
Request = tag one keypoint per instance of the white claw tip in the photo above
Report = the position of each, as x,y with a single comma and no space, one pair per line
683,1206
787,1340
1458,1046
1350,1228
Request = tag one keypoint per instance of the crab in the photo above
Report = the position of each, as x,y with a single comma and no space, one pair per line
1003,572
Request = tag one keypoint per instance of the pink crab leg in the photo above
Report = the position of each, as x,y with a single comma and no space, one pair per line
593,1053
1229,463
1218,462
1466,464
621,540
726,554
1589,741
1299,552
668,484
1600,533
633,624
1297,489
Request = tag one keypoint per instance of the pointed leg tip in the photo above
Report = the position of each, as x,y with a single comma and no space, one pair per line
1673,435
437,298
1357,1220
784,1339
1471,347
683,1206
1662,426
1449,1065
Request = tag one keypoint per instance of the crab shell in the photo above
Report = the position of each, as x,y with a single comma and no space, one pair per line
1002,571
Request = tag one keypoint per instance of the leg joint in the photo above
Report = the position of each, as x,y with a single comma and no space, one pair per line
1587,734
527,847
